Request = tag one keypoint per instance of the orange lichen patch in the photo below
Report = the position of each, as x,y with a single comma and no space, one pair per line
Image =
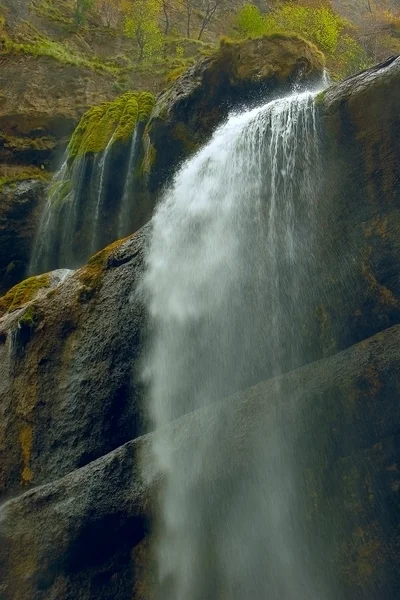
362,555
377,226
382,293
26,442
92,274
328,343
26,393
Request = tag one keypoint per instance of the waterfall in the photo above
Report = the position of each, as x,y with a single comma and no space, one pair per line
226,281
73,224
91,200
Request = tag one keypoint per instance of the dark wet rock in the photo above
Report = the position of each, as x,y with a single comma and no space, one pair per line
68,393
357,278
20,209
85,534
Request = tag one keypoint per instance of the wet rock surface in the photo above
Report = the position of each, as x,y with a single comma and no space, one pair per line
71,395
69,392
84,535
20,209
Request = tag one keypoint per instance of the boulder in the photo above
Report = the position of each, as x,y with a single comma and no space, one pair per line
238,74
68,394
86,534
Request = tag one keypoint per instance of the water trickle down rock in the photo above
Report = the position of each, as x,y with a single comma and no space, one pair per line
93,198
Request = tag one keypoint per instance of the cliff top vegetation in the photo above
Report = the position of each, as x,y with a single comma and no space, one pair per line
162,37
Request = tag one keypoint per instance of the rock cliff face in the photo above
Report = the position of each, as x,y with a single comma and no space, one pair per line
36,124
21,205
84,534
77,525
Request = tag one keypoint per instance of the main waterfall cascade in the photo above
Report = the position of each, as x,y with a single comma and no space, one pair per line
227,278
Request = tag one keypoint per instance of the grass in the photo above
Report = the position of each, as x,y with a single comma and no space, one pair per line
42,46
25,175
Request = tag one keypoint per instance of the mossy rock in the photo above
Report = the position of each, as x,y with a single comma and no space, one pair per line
23,293
110,122
91,275
237,74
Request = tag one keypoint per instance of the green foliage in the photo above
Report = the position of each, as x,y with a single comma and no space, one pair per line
22,293
81,9
250,22
349,57
319,24
110,122
141,25
42,46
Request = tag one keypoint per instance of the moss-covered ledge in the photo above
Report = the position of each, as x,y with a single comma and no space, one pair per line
23,293
110,122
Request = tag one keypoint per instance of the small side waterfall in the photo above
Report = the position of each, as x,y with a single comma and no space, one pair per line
226,282
91,201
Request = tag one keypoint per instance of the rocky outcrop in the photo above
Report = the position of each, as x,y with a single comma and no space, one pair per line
360,207
21,205
41,103
71,390
238,74
67,392
85,533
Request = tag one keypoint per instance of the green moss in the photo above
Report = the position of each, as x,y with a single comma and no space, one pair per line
149,158
29,319
21,144
23,293
25,175
319,99
111,121
91,275
173,75
42,46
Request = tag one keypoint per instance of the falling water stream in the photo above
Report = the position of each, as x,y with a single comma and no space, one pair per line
83,212
227,280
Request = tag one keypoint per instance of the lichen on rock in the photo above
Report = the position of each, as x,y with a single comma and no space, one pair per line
23,293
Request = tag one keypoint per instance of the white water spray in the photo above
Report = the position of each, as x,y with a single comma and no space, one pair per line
227,279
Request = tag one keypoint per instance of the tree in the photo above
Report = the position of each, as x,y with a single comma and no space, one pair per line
211,8
141,25
110,12
249,22
318,24
188,6
81,9
165,8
